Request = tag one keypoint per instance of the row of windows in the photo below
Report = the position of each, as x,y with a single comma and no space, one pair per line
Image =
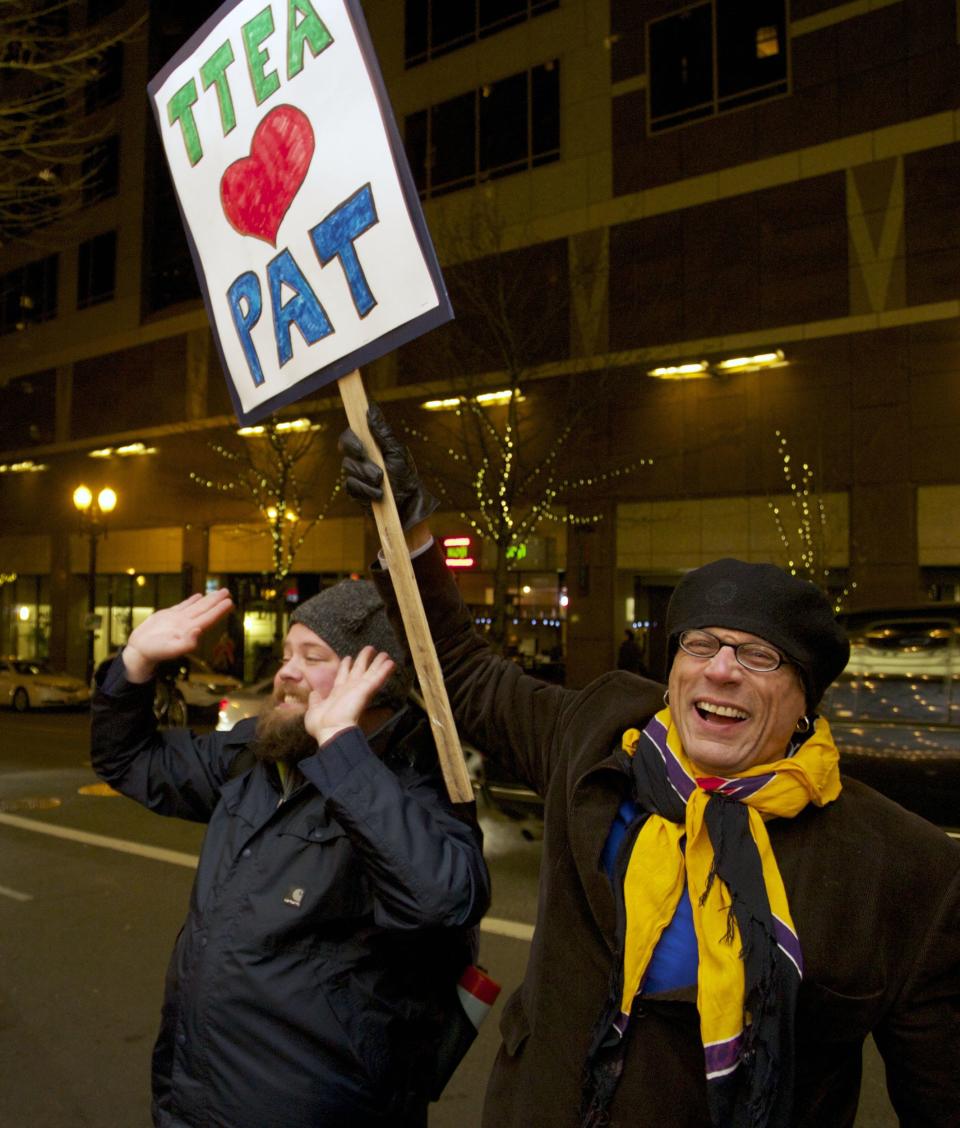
715,56
436,27
501,128
28,295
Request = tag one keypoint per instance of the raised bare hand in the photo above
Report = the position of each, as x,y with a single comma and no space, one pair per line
172,632
354,687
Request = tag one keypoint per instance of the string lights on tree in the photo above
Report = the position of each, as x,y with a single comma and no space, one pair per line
802,525
264,471
511,492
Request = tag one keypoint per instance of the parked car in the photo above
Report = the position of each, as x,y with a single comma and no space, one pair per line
28,683
187,689
895,710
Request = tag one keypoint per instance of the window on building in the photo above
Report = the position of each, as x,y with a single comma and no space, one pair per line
100,173
97,270
713,57
504,127
28,295
106,86
436,27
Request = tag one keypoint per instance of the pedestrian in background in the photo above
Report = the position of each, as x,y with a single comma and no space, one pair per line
630,656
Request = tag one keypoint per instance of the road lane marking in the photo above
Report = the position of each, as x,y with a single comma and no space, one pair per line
123,845
512,929
14,895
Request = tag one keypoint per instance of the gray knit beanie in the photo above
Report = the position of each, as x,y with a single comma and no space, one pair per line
761,599
349,616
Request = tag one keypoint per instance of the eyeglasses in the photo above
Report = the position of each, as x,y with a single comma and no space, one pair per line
754,656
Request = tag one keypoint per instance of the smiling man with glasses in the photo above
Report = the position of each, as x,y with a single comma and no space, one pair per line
723,917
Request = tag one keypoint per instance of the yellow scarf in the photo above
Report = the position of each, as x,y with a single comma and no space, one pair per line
658,868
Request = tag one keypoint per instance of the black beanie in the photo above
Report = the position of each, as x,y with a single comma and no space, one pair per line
349,616
763,600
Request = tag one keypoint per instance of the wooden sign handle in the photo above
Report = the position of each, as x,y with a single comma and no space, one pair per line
422,651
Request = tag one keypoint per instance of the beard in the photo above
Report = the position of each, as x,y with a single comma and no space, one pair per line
282,738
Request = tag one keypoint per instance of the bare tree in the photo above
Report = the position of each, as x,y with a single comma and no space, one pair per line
274,466
500,464
803,526
47,142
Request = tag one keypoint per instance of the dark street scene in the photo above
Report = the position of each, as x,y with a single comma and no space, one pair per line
479,571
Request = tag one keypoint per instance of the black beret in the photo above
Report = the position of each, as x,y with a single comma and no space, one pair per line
763,600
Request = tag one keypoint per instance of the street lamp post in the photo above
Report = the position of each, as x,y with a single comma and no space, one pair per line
93,513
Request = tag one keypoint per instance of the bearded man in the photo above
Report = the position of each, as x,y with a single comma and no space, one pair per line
337,889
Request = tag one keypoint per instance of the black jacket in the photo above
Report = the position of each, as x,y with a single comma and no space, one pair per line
315,969
874,893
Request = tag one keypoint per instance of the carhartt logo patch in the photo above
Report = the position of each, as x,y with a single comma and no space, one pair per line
295,896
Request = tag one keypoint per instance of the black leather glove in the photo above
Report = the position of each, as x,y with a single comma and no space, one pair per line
363,479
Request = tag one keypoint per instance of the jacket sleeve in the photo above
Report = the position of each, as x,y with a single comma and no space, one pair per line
919,1038
424,860
511,717
173,772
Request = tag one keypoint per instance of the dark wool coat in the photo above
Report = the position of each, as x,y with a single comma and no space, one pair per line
874,892
316,968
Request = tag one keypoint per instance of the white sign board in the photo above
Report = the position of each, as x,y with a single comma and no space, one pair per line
302,217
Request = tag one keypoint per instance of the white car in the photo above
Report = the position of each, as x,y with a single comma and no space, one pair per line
29,683
185,686
190,685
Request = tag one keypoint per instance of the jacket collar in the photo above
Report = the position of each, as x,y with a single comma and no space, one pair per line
596,798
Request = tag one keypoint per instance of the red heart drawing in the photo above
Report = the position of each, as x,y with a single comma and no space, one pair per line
257,191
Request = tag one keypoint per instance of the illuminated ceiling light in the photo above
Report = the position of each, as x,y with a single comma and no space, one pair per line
441,404
485,399
135,448
27,466
695,370
286,426
488,399
773,359
23,613
125,451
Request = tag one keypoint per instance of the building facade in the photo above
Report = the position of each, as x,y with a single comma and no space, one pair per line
731,232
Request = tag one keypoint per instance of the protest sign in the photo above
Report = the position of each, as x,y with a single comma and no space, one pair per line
302,217
307,235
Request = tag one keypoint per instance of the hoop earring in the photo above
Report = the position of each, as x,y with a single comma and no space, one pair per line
666,697
804,724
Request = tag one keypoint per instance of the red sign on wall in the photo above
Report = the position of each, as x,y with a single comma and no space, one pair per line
456,551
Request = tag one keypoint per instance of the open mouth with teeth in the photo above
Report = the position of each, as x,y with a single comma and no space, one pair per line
719,714
293,700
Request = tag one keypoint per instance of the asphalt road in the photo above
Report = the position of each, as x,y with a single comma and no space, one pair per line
92,892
